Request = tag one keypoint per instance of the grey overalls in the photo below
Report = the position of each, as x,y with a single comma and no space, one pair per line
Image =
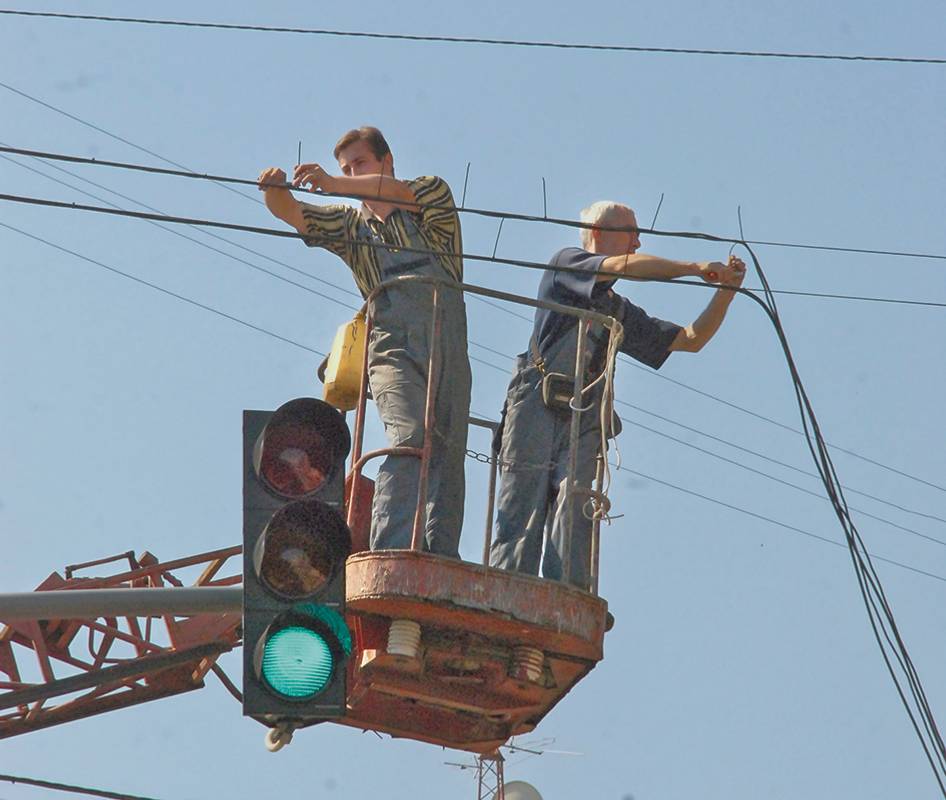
398,356
534,463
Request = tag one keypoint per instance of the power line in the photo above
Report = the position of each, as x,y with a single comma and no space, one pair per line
295,235
478,40
168,292
490,213
65,787
476,344
784,464
802,531
626,469
782,425
468,256
509,311
781,481
197,242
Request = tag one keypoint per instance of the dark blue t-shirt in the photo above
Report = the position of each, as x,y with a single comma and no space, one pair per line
646,338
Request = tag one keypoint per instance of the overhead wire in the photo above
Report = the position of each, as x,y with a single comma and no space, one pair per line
488,349
880,614
476,344
168,292
66,787
317,352
619,467
879,611
421,251
463,209
474,39
466,256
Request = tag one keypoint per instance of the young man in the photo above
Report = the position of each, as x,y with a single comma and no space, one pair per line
369,241
534,452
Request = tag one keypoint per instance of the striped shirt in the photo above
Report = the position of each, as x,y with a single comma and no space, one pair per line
348,232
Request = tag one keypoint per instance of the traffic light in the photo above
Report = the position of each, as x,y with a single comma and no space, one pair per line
295,542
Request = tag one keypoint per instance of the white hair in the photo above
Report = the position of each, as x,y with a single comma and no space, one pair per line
599,213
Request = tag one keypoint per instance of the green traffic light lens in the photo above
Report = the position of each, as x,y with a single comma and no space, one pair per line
297,662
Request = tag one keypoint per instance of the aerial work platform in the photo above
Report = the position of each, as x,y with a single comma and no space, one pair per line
484,655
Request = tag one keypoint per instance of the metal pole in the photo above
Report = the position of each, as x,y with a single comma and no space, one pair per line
430,422
359,433
91,603
574,434
596,528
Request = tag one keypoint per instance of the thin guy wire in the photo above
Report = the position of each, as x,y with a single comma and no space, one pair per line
478,40
486,459
490,213
296,235
469,256
476,344
288,341
784,464
165,291
782,425
65,787
217,250
783,482
121,139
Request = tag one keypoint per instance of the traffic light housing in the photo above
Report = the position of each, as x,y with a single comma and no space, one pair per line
295,543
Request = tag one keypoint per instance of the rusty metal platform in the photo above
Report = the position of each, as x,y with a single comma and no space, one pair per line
468,686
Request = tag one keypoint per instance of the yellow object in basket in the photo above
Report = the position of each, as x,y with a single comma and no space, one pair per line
345,363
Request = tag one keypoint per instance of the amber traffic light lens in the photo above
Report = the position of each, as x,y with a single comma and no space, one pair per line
302,549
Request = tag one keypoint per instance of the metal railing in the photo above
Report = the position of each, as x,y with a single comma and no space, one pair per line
571,490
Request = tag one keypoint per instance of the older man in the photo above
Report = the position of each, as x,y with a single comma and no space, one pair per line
535,437
376,242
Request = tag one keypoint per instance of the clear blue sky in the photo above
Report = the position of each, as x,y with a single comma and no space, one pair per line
741,664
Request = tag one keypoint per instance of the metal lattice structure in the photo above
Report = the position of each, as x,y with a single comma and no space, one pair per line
56,670
489,777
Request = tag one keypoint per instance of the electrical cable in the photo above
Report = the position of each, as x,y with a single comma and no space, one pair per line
476,344
879,613
168,292
381,245
467,256
474,40
65,787
781,481
496,352
709,395
483,212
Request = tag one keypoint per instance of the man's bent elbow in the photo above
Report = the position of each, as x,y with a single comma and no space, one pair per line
688,341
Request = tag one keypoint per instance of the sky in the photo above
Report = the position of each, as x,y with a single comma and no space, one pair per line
741,664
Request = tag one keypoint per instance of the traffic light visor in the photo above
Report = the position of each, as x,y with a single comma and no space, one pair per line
301,448
301,550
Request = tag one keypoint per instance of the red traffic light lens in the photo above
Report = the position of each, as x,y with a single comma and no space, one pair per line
301,448
302,549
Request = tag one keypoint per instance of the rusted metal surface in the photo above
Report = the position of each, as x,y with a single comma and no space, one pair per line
460,690
108,662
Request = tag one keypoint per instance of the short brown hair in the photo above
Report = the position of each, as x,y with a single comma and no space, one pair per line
365,133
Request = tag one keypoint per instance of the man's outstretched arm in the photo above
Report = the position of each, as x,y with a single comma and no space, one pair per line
693,337
643,267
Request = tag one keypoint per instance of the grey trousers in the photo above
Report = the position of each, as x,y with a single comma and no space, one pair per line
397,371
531,499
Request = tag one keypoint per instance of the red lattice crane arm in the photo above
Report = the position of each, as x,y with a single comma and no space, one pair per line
59,670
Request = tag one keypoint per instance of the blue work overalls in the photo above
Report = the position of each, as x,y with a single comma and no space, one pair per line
398,357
